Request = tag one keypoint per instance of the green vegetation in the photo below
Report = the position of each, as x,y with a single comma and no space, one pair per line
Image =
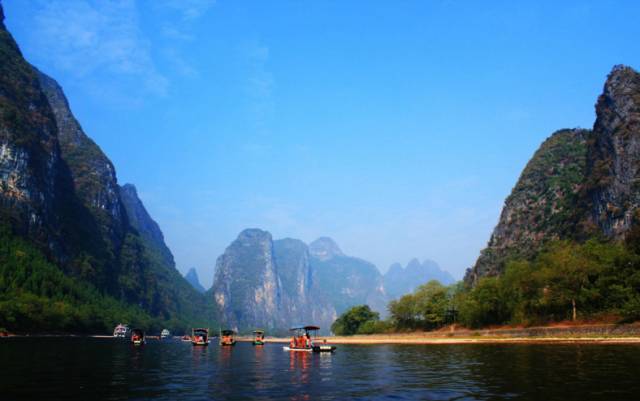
358,320
36,296
564,281
595,280
427,308
547,202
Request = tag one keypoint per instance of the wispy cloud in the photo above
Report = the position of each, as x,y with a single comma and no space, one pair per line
188,9
84,38
103,47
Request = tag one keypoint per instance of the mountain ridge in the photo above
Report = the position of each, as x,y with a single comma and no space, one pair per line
59,198
399,280
291,282
579,184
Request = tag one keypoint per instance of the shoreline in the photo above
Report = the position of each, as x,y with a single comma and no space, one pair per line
394,340
602,333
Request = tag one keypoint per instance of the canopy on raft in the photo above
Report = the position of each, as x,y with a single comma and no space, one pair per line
306,328
228,332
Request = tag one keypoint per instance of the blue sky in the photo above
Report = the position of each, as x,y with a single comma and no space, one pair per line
397,128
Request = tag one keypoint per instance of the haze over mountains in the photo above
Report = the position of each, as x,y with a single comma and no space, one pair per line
61,202
261,282
81,252
400,280
192,278
60,195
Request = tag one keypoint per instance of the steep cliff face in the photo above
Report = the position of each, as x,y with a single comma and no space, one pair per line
303,298
93,222
579,183
30,164
94,176
141,221
59,192
613,168
275,284
246,287
148,270
399,281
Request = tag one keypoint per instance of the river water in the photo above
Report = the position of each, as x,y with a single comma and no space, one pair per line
109,369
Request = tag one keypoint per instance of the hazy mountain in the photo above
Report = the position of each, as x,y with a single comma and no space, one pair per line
192,278
260,282
399,281
579,184
347,280
324,248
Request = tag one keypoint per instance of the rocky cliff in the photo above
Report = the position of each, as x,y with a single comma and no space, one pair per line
59,192
141,221
260,282
580,183
613,190
248,286
32,174
399,280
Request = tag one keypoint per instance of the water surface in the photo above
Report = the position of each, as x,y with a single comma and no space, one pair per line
108,369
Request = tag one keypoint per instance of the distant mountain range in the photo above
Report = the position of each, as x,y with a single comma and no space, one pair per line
82,252
399,281
273,284
192,278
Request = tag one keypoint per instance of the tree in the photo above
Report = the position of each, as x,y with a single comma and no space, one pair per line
426,308
354,319
485,304
569,272
431,304
403,313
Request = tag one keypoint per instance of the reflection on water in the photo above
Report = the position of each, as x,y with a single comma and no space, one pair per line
107,369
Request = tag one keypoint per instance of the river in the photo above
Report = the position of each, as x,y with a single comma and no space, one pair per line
46,368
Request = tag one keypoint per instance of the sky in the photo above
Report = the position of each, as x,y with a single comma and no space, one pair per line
396,128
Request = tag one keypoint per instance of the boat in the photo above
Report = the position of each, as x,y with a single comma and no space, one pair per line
121,331
258,337
200,337
165,334
305,340
137,337
227,337
186,338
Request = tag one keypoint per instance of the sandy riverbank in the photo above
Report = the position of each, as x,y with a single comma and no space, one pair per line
392,339
585,333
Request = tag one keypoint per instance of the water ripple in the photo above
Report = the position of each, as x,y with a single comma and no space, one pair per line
106,369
